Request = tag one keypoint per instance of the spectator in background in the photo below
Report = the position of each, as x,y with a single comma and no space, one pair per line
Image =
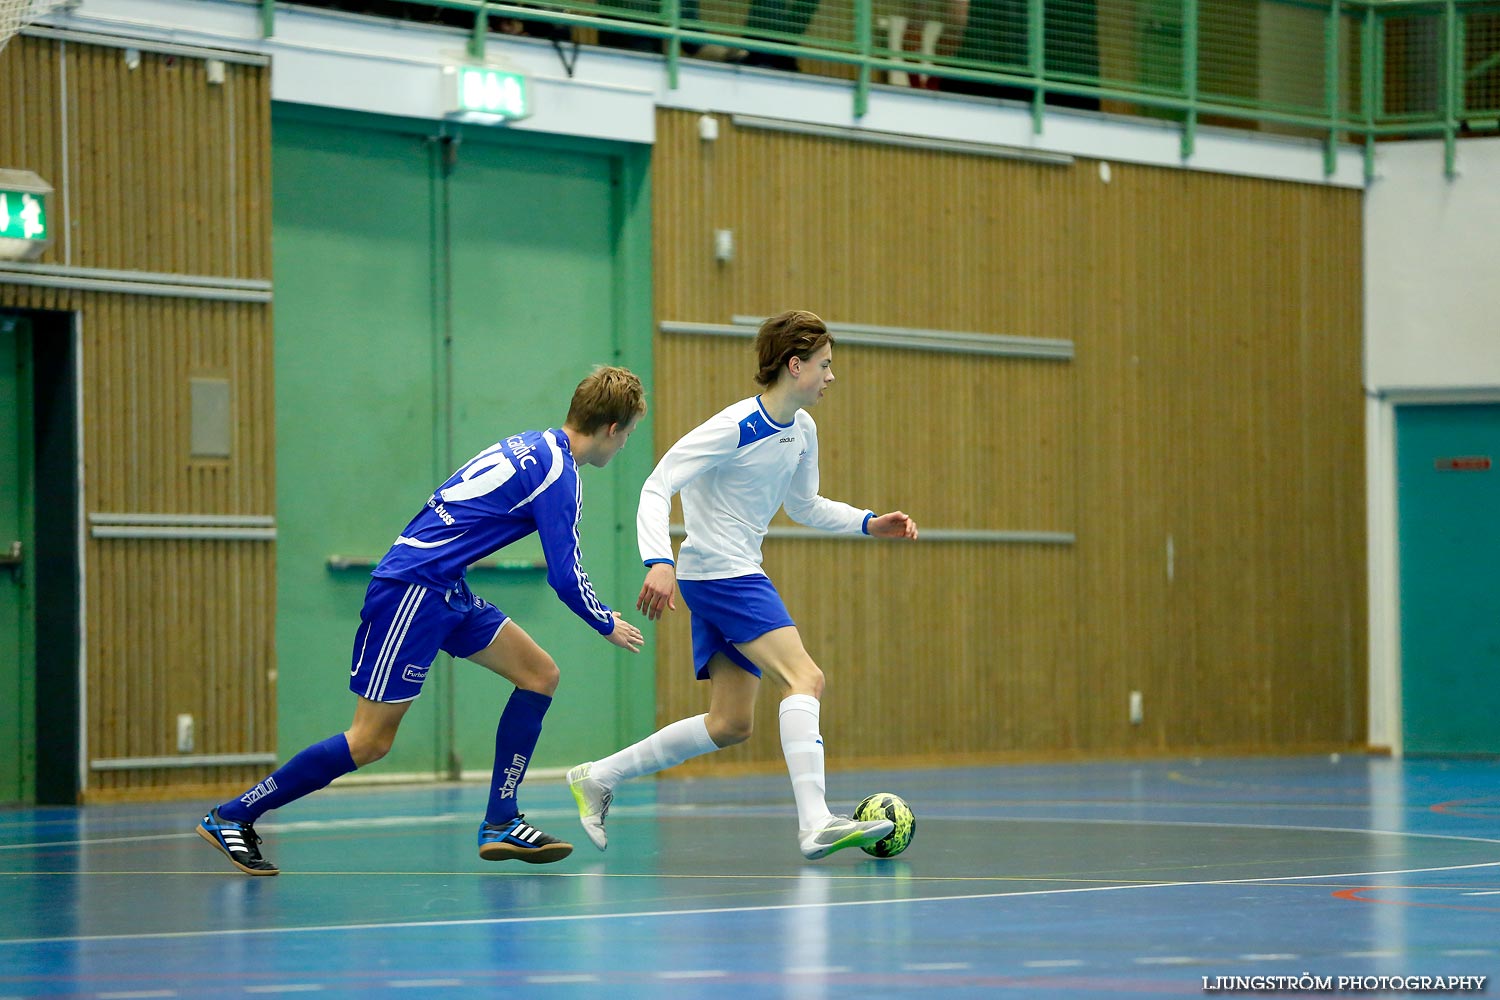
919,26
788,17
654,13
995,33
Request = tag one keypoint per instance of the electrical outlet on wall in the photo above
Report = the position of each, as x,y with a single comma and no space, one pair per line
1135,708
185,739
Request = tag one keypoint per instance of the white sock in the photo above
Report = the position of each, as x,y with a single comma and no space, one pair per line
667,747
931,32
895,32
803,749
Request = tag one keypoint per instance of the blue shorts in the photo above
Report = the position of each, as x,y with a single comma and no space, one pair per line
401,629
725,612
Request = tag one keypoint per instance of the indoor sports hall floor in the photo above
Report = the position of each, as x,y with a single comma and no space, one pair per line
1091,880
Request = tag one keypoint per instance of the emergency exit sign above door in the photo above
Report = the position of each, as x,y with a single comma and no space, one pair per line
24,231
485,95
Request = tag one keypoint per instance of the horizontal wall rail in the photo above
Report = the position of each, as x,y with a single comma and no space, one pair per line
96,279
504,565
147,45
904,338
222,527
182,760
928,534
904,141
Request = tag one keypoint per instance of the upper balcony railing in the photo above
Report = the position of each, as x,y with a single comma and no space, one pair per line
1342,71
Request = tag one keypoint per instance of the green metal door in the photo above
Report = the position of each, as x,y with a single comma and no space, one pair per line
432,295
16,666
532,304
1448,496
356,447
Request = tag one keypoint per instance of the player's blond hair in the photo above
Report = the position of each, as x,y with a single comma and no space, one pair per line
607,395
794,333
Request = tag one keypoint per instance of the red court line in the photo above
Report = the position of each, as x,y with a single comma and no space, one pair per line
1489,808
1353,895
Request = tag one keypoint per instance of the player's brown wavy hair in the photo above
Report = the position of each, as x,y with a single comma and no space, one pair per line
607,395
794,333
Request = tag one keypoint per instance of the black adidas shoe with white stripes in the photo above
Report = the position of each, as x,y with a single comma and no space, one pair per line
518,840
239,842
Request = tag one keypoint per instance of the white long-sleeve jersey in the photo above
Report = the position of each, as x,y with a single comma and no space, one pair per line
734,471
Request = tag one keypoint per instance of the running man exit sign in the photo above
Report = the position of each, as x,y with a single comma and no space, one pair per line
24,229
485,95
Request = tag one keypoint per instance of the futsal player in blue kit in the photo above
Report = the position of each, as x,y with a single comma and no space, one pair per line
419,603
734,471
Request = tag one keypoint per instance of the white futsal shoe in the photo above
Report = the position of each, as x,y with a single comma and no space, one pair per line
839,832
593,800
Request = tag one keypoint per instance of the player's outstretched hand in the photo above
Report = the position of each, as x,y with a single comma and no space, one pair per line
893,525
626,635
658,590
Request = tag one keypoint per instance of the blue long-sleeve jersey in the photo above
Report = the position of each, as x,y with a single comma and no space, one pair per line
527,482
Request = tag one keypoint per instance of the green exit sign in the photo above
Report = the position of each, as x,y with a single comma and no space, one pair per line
24,229
489,96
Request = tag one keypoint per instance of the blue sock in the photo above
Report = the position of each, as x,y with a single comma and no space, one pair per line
515,740
307,772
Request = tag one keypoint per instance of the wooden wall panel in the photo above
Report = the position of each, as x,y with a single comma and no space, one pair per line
907,682
889,411
158,171
1205,445
172,626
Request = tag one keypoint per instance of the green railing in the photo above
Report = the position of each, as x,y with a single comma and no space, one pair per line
1344,71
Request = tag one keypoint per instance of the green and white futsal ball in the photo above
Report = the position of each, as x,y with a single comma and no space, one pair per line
884,805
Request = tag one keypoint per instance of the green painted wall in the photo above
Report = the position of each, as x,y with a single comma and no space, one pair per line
432,296
1450,592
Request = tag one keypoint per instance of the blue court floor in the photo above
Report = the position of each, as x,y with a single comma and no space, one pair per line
1088,880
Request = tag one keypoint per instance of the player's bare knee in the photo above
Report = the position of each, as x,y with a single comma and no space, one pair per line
367,748
807,679
726,731
541,676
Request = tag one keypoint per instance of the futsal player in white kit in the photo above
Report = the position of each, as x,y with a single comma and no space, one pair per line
734,471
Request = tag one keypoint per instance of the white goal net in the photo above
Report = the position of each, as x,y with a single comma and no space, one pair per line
16,14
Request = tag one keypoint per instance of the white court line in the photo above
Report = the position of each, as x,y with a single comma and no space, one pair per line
286,988
699,811
556,980
1287,827
934,966
135,994
421,984
710,911
357,822
301,826
693,974
1056,963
